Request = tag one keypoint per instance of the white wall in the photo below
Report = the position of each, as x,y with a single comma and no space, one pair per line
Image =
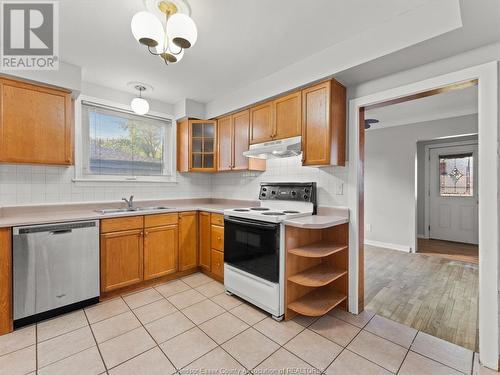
390,176
245,185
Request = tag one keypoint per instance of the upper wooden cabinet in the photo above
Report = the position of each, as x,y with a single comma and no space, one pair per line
287,116
188,240
233,132
197,146
276,119
324,124
36,124
225,136
261,123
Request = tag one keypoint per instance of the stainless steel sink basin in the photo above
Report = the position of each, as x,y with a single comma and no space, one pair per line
135,209
155,208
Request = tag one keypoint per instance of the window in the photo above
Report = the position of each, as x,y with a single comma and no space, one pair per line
456,175
119,145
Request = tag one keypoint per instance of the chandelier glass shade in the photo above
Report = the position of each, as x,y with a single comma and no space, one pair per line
166,39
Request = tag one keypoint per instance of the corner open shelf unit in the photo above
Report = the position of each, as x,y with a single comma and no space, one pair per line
317,263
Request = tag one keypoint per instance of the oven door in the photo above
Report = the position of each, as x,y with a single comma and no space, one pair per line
252,246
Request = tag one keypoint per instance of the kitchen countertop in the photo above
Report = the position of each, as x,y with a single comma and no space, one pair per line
55,213
326,217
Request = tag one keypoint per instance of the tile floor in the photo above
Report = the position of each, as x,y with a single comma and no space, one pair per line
189,325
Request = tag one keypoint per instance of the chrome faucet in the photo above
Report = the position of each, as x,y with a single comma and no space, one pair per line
130,202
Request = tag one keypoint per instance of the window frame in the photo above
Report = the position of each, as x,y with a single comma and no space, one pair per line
82,136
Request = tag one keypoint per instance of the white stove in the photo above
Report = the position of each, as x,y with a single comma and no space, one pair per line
254,243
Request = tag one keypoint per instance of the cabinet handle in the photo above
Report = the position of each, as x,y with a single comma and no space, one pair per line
219,238
146,233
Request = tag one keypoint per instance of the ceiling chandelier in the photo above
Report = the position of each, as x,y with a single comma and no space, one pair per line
166,29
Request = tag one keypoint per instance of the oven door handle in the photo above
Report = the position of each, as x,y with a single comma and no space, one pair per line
251,223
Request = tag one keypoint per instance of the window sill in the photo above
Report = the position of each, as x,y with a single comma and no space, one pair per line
138,181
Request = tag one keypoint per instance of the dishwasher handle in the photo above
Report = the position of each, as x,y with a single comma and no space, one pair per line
60,231
54,229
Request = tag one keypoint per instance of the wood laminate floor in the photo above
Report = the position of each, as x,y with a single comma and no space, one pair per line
432,294
450,250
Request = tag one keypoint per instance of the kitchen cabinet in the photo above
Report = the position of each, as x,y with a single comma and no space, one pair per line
161,249
36,124
217,264
233,140
226,140
197,146
205,243
261,123
288,116
324,124
188,240
276,119
217,237
121,259
5,281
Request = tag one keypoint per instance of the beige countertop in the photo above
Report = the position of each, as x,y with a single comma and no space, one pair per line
42,214
55,213
326,217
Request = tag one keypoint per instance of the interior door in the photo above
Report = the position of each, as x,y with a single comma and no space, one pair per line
453,211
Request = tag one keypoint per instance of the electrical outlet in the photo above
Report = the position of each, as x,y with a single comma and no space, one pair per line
340,188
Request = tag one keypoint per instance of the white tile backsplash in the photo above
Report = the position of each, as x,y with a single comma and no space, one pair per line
245,185
26,184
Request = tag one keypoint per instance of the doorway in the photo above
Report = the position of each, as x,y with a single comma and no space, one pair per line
487,76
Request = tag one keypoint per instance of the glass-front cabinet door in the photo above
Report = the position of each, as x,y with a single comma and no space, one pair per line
203,146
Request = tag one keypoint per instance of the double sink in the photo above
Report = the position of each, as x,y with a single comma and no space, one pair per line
132,209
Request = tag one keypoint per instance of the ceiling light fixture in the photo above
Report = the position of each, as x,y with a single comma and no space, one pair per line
166,39
140,105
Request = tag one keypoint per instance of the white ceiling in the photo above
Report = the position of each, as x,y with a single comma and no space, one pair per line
239,41
447,105
481,26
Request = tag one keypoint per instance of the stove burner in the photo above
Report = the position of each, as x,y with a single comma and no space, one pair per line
273,213
259,209
291,212
241,209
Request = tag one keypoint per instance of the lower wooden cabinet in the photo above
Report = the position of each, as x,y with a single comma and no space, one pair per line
5,281
188,240
217,263
161,251
217,237
205,227
121,259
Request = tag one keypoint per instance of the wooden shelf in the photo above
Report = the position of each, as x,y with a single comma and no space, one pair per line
318,250
320,275
318,302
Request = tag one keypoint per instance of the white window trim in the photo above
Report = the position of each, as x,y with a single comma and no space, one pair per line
170,144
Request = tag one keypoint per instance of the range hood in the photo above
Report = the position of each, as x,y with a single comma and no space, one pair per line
282,148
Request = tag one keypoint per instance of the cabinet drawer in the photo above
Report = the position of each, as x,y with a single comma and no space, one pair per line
217,237
217,263
121,224
218,219
160,220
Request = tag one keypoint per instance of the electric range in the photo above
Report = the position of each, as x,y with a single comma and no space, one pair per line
254,243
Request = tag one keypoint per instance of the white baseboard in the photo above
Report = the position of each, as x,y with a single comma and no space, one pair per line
387,245
423,236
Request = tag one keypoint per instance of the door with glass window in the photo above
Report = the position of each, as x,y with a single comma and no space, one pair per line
453,208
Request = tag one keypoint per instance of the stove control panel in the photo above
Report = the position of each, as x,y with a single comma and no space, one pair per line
300,191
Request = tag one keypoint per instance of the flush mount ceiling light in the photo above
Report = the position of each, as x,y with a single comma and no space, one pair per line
140,105
166,29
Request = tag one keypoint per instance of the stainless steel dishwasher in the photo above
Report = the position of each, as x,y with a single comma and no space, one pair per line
56,269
